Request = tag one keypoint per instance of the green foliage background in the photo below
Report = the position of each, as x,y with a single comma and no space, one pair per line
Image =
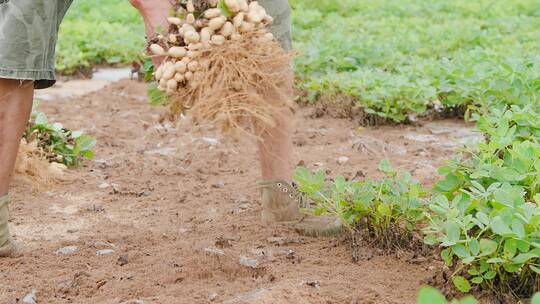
395,57
99,32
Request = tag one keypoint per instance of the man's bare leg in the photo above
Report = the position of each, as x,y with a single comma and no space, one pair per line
275,148
15,106
280,202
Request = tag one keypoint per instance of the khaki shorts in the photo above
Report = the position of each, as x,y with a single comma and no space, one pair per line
29,30
28,34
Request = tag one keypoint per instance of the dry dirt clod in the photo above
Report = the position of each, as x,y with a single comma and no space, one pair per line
100,283
123,260
104,251
215,251
244,206
134,302
314,283
218,185
212,297
245,261
67,250
281,240
342,160
242,200
223,242
30,298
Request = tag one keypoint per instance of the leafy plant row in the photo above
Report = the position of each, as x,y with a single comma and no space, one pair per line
483,213
398,59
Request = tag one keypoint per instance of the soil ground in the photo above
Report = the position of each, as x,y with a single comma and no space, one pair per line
175,209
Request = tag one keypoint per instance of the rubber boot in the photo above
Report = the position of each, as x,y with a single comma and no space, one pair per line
281,205
6,245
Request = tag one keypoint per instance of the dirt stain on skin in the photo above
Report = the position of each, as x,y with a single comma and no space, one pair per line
162,211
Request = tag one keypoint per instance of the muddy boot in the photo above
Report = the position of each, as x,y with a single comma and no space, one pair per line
281,206
7,248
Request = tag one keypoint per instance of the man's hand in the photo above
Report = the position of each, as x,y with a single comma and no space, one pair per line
154,13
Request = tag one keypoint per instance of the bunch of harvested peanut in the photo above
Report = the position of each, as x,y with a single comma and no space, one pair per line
195,29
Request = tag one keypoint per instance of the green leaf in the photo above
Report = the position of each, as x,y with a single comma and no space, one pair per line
57,127
384,166
461,283
477,280
487,247
535,269
510,248
447,255
500,227
88,154
495,260
449,184
517,228
86,143
156,97
76,134
225,11
453,231
511,267
483,218
536,298
490,275
468,300
523,258
484,266
384,209
430,239
473,271
430,295
460,250
41,119
474,246
523,246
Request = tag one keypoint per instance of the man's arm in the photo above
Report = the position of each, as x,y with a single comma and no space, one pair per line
154,13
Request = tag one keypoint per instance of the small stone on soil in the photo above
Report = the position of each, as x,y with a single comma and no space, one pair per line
214,251
104,251
242,200
67,250
314,283
245,261
30,298
211,141
212,296
104,186
162,152
123,260
244,206
342,160
219,185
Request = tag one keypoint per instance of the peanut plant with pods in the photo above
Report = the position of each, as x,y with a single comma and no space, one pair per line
58,143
